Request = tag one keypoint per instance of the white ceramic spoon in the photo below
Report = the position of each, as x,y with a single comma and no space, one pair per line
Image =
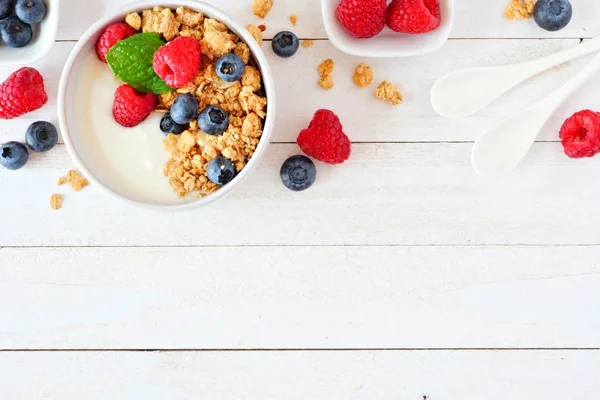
463,93
501,149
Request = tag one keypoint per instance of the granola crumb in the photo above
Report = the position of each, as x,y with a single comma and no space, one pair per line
134,20
56,201
388,91
189,18
217,39
256,33
294,19
262,27
520,9
326,74
363,75
73,178
262,7
307,43
161,21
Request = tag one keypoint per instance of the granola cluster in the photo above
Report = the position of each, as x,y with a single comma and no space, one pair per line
388,91
520,9
243,100
325,70
363,75
56,201
74,179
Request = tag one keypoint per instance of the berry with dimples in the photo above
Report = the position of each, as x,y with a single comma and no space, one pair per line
324,139
178,62
111,36
580,134
363,18
131,106
22,93
413,16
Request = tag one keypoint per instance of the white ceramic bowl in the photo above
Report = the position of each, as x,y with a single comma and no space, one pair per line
44,36
91,163
388,43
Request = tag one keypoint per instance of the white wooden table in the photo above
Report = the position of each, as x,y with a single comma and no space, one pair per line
400,275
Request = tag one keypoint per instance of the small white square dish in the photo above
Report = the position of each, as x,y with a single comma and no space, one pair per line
44,36
387,44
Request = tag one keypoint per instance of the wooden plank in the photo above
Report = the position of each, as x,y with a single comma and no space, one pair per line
387,194
365,118
299,297
474,19
416,375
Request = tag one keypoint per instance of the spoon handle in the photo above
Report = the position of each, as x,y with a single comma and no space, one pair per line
542,64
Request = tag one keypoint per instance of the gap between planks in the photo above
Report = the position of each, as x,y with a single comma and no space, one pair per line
308,350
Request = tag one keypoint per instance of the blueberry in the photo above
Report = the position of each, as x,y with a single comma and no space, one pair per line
30,11
41,136
220,170
6,7
13,155
213,120
167,125
552,15
15,33
184,108
298,173
285,44
230,67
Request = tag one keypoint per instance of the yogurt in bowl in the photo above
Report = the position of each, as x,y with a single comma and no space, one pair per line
142,166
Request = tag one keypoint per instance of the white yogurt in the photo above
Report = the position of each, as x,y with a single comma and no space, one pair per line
132,159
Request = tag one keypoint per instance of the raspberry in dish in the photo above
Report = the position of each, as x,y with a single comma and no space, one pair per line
413,16
362,18
580,134
131,106
111,36
178,62
324,139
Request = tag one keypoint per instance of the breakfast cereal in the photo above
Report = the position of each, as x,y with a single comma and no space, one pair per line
520,9
294,19
262,7
326,74
74,179
255,32
388,91
308,43
363,75
56,201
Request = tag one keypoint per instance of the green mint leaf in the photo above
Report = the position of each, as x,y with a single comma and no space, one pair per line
131,61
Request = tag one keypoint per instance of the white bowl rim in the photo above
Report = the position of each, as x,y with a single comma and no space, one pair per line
215,13
337,42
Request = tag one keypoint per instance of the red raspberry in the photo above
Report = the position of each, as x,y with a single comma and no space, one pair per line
131,106
21,93
580,134
324,139
111,36
413,16
363,18
178,62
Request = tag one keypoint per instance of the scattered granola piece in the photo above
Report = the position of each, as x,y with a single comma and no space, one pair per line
162,21
262,27
262,7
217,40
388,91
256,33
76,181
520,9
326,73
243,51
363,75
189,18
294,19
134,20
56,201
62,180
307,43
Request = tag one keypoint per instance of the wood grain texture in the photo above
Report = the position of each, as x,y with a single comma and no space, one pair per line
299,297
474,18
386,194
453,375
